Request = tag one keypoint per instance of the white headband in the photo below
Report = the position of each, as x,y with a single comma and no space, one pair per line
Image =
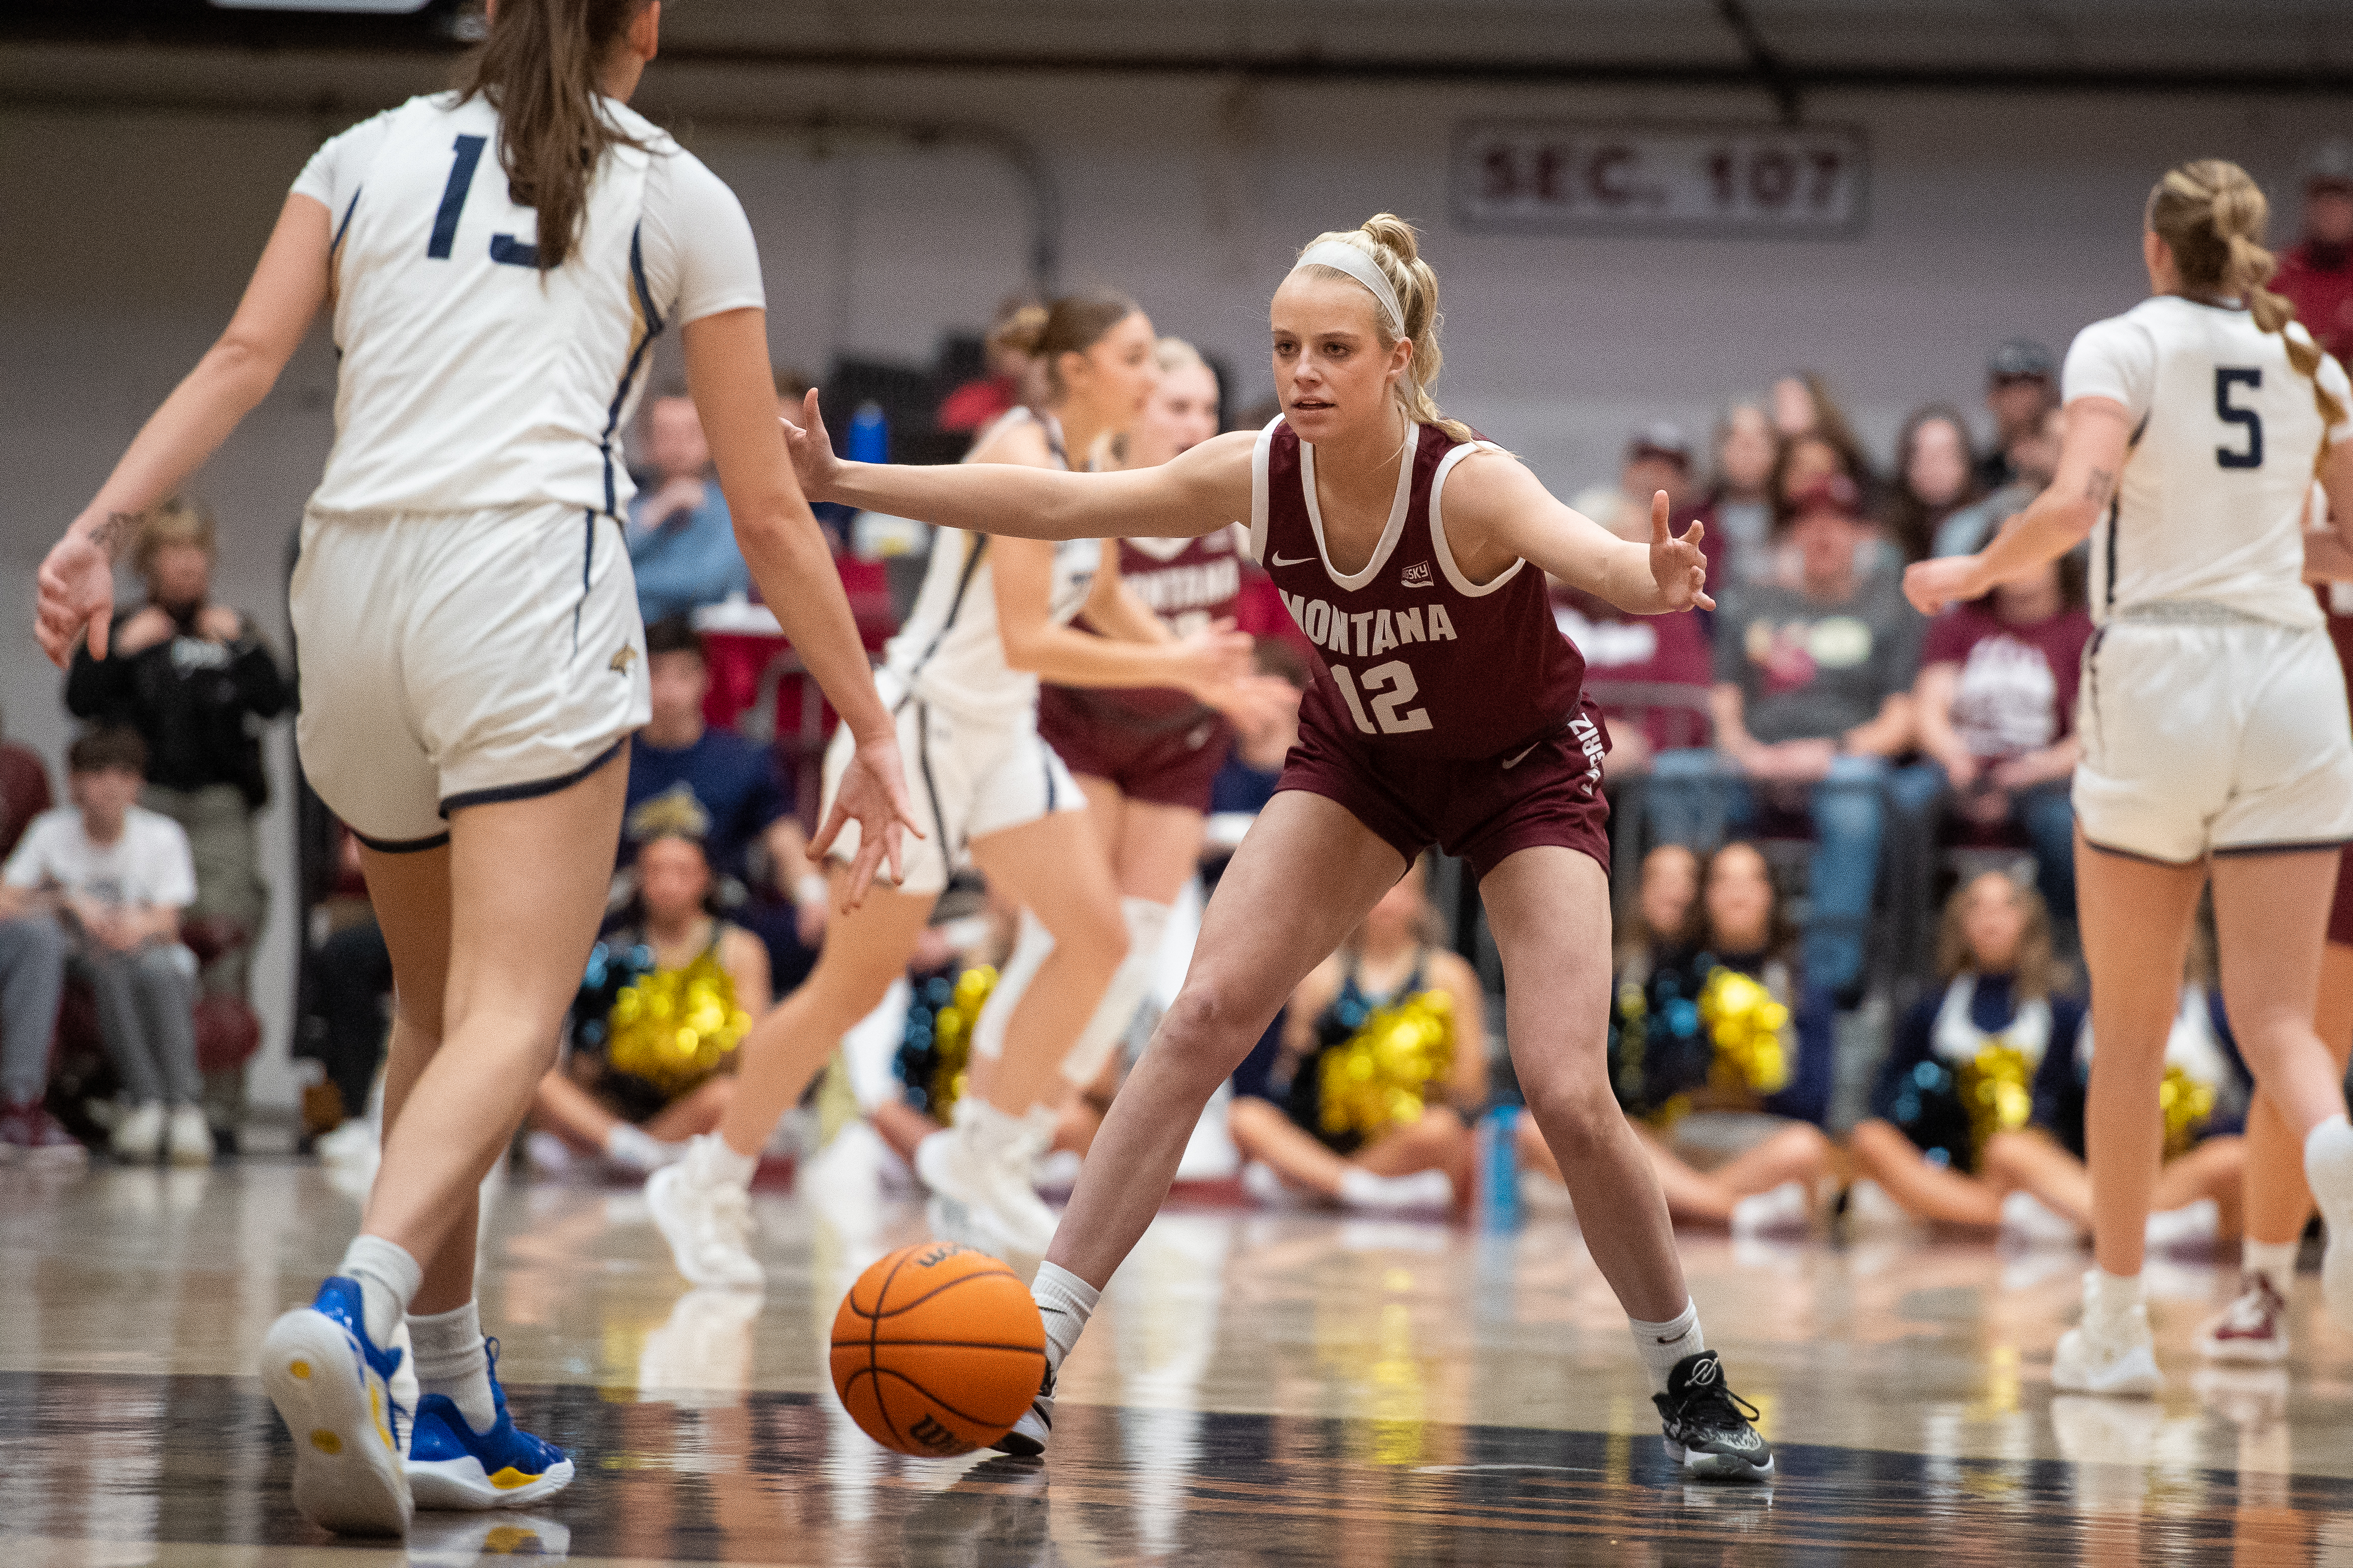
1340,255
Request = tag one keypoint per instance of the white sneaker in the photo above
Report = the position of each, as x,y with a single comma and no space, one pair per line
351,1144
2120,1361
2252,1330
2030,1222
140,1135
979,1170
2189,1228
2328,1168
707,1220
1869,1208
1779,1211
190,1140
1264,1188
1424,1192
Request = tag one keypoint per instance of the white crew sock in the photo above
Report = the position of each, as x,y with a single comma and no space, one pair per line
387,1277
1360,1189
1065,1302
1032,945
710,1161
2109,1300
1147,923
1662,1345
452,1360
635,1149
2274,1260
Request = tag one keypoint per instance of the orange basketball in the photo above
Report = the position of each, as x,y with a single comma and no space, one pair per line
937,1350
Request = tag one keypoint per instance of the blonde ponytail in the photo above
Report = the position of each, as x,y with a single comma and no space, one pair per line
1394,247
2211,216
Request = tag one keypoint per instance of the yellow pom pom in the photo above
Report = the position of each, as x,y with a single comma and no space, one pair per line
1746,1024
1379,1077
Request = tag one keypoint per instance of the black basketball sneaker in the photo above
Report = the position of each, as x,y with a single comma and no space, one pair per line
1028,1438
1706,1427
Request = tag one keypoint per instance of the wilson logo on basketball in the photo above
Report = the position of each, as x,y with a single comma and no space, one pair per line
932,1434
1417,576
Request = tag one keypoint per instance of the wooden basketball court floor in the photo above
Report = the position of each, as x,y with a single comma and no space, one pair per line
1258,1388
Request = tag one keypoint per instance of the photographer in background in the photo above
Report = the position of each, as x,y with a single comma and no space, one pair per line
197,682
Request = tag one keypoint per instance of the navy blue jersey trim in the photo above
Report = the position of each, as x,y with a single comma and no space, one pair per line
350,208
2136,855
587,561
2231,851
654,324
401,846
931,785
533,789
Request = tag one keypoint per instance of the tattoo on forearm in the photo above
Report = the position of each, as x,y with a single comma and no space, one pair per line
113,534
2099,487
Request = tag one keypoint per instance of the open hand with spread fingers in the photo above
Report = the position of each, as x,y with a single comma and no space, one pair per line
814,462
1676,564
874,794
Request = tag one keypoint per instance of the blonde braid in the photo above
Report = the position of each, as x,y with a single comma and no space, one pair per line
2211,215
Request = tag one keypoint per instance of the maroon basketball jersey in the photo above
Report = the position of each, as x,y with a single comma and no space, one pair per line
1410,655
1187,583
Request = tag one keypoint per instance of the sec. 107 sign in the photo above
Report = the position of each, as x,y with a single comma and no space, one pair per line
1564,176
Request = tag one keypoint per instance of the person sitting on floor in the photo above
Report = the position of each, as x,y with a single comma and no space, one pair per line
1710,1015
1387,1058
1977,1119
666,1002
1976,1078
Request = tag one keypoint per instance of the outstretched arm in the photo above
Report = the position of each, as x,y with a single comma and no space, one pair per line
1198,492
727,372
1496,511
2090,456
288,285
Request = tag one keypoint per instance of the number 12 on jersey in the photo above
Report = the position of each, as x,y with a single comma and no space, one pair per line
1396,678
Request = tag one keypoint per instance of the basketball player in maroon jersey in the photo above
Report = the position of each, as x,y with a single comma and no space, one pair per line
1145,756
1446,709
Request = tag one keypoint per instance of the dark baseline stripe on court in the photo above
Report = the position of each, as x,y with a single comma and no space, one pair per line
783,1478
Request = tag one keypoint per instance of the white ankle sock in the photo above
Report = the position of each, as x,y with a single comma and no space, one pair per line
1662,1345
1065,1301
715,1162
2109,1300
452,1360
387,1277
2274,1261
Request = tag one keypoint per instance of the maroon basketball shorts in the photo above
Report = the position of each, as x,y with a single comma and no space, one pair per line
1483,809
1159,761
2341,914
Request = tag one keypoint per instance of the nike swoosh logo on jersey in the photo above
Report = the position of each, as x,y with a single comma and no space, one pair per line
1294,561
1508,766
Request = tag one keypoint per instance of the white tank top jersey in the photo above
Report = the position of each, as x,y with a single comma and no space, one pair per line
469,380
2211,504
949,653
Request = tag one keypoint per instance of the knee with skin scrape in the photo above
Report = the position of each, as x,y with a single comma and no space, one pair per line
1032,945
1146,923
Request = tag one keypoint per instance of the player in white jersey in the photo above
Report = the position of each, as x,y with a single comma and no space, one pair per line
962,676
499,260
2213,714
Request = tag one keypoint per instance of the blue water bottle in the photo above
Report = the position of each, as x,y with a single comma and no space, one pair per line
869,435
1499,1169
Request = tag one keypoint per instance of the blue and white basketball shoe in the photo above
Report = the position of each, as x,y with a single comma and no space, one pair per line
451,1466
333,1387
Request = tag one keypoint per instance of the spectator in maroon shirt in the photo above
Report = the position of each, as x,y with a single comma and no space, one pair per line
2316,272
1996,704
23,792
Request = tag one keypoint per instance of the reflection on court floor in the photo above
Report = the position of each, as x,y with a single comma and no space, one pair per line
1271,1388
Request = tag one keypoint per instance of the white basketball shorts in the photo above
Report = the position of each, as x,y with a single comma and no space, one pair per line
2212,736
967,778
448,659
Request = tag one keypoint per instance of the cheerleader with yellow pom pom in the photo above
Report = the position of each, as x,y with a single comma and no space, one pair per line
1386,1047
664,1005
1710,1016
